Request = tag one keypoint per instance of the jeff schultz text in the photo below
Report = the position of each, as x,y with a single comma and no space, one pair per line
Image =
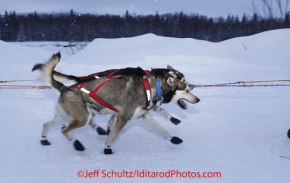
146,174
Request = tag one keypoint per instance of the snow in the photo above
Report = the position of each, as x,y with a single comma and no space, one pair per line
240,132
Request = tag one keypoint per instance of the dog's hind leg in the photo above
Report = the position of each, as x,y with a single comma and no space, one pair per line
120,123
48,126
74,124
67,131
99,130
163,112
149,121
111,123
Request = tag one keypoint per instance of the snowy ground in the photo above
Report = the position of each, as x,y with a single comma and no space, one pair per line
240,132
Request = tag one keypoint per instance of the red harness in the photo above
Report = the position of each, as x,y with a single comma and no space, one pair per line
147,91
148,73
147,87
93,93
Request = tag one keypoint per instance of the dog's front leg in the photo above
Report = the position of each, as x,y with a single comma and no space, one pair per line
163,112
149,121
120,123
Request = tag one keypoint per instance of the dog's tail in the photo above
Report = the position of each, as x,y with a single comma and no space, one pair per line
47,71
58,75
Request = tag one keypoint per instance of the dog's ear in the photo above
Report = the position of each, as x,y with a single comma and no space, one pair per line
172,74
169,74
170,68
172,83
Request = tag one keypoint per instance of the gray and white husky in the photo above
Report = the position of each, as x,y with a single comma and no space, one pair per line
124,96
124,71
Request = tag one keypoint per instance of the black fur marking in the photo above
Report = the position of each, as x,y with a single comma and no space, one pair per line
45,142
288,133
108,151
57,55
179,75
101,131
58,85
70,77
129,71
82,79
158,72
176,140
168,96
78,145
37,67
108,131
175,120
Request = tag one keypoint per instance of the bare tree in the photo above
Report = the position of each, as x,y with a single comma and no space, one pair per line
282,11
269,9
280,8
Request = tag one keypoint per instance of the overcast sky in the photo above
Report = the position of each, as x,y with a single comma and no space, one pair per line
212,8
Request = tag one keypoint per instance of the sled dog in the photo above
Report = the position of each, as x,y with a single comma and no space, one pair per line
126,97
125,71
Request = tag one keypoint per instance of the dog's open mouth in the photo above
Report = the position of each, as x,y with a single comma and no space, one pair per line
182,104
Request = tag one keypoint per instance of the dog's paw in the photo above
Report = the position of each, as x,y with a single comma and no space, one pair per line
288,134
78,146
45,142
101,131
108,151
176,140
175,120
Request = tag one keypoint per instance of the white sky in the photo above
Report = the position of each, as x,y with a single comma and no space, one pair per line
212,8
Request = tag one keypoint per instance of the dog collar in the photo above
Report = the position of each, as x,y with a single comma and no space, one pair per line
158,91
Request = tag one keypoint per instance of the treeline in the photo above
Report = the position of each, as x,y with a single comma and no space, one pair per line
74,27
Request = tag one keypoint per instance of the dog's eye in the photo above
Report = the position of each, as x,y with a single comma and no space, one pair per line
187,91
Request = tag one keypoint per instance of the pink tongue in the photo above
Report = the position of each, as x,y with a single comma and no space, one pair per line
183,103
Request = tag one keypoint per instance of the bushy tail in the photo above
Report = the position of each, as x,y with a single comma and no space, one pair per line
47,70
58,75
